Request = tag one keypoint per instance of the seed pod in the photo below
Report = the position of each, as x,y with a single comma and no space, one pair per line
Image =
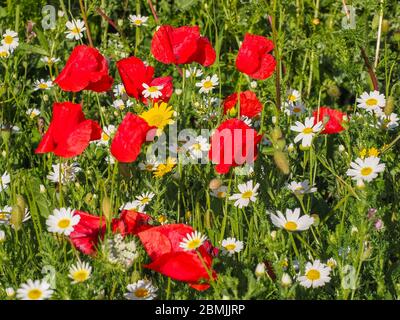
21,202
389,106
17,216
281,161
276,134
106,208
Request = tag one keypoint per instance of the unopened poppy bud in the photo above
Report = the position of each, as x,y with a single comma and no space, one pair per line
215,184
281,161
389,106
21,202
276,134
106,208
385,26
17,216
286,280
333,91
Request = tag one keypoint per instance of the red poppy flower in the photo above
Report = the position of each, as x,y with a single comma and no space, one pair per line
162,245
128,139
131,222
86,69
182,45
69,132
90,228
134,73
333,119
254,59
250,106
232,144
87,232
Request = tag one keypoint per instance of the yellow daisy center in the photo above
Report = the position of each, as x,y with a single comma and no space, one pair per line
307,130
366,171
208,84
145,200
152,89
76,30
3,54
197,146
313,275
292,98
296,109
230,247
105,137
291,226
42,85
80,275
8,39
3,215
371,102
247,194
221,194
149,167
141,293
64,223
138,22
162,219
35,294
193,244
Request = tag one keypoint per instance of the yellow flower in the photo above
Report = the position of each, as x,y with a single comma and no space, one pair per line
373,152
164,168
159,116
362,153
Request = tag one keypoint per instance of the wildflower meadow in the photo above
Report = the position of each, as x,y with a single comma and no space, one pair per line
199,150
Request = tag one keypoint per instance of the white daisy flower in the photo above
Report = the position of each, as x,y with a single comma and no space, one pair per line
154,92
80,272
143,200
34,290
121,105
68,172
141,290
316,275
296,109
75,29
42,84
193,72
301,187
10,40
49,60
150,164
32,113
372,101
198,147
192,241
293,96
62,221
207,85
306,131
220,192
106,135
292,221
365,169
110,159
119,90
231,246
388,122
138,20
4,181
4,52
247,193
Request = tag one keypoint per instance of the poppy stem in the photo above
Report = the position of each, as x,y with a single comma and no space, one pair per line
83,11
153,11
370,70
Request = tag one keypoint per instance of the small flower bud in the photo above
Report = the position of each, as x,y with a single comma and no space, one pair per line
286,280
260,270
